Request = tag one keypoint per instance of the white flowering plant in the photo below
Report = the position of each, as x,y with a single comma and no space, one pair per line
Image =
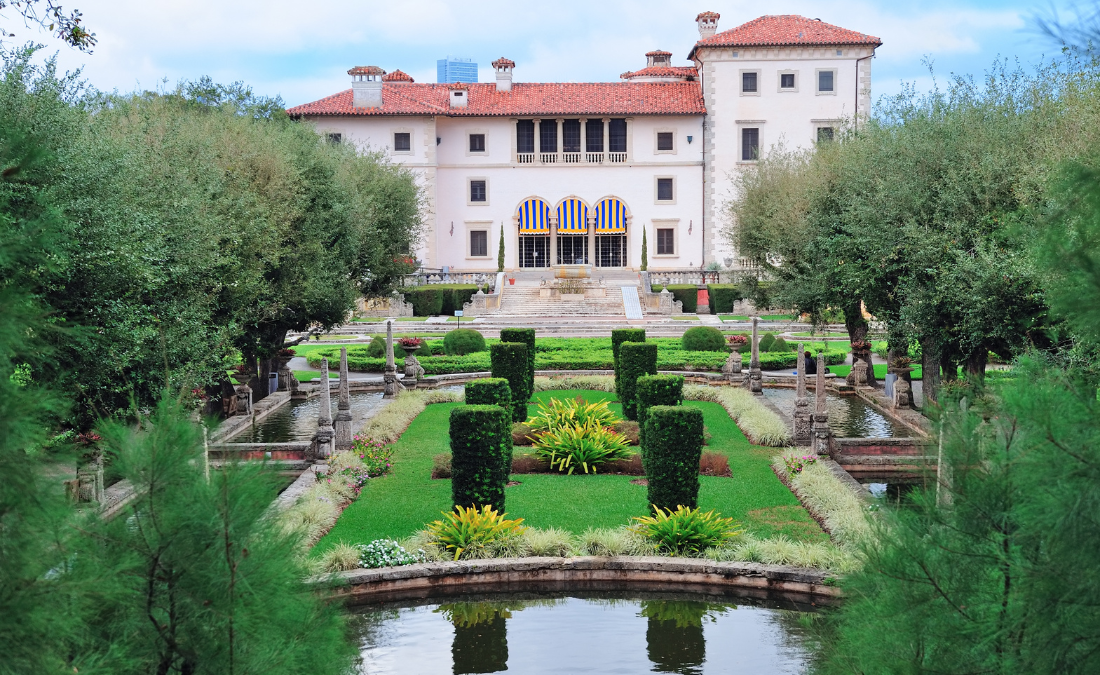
387,553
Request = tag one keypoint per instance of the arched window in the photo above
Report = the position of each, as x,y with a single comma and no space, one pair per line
612,218
533,219
572,232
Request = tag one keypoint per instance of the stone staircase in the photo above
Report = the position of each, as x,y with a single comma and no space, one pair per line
520,301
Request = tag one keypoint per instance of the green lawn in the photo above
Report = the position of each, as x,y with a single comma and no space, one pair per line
686,317
880,371
309,375
818,335
730,317
397,505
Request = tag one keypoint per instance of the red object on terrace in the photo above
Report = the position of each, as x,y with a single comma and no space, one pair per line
703,298
525,98
786,30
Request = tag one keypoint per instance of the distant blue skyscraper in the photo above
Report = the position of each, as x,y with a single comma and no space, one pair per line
453,69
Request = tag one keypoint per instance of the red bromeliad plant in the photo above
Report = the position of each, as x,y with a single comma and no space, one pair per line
736,340
410,342
861,346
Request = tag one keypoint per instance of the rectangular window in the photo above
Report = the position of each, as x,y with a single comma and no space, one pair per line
335,139
479,244
824,134
750,144
477,191
664,190
666,241
477,142
748,83
616,136
402,141
525,136
825,80
593,136
786,81
571,136
548,136
664,140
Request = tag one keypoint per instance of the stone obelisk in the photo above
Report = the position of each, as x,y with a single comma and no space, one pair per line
343,407
325,432
756,385
821,412
802,417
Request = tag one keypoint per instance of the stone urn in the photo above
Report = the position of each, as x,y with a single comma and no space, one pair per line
413,370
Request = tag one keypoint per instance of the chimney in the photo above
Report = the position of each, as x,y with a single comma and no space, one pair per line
460,93
366,86
504,68
658,59
708,24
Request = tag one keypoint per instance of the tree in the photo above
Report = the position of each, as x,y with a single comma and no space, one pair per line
51,16
500,250
645,253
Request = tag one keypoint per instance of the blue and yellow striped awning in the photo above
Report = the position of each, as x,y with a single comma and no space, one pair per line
610,216
534,216
573,216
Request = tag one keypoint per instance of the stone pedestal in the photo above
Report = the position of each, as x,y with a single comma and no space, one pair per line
324,440
802,417
903,394
858,375
244,400
756,384
90,482
820,432
342,423
732,368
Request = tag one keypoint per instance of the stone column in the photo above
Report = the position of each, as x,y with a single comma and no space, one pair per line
591,220
343,407
392,386
538,140
553,241
325,432
802,417
756,385
821,411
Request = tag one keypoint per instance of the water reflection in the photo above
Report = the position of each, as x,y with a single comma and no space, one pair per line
674,636
849,416
297,420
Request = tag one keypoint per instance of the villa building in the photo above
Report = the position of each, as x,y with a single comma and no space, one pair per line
575,172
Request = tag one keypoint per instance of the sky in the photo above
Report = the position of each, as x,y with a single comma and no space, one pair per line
301,51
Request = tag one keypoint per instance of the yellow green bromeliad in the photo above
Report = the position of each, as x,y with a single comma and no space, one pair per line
467,528
581,446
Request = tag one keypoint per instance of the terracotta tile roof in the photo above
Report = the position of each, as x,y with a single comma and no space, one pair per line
708,15
526,98
366,70
787,30
397,76
502,62
658,52
680,72
459,85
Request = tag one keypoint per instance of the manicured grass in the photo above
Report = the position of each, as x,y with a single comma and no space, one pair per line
819,335
397,505
337,338
309,375
686,317
368,319
880,371
766,317
733,317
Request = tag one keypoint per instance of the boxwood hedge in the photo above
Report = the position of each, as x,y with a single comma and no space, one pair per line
654,390
490,391
685,293
481,448
673,443
722,297
523,336
509,361
635,359
618,337
704,339
462,341
438,298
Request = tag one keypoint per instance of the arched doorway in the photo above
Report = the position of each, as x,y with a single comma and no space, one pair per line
611,222
572,243
533,222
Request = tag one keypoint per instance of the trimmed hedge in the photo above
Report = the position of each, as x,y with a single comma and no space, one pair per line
618,337
766,342
377,350
779,346
438,299
481,448
722,297
672,445
685,293
524,336
462,341
703,339
490,391
635,359
509,361
654,390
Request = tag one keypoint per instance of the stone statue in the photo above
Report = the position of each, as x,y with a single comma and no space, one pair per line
903,394
857,377
756,385
325,433
803,420
342,424
821,432
732,367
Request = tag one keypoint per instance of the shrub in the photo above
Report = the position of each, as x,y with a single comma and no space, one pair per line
490,391
686,530
441,466
766,342
703,339
672,445
455,297
462,341
425,300
524,336
779,346
465,530
586,446
377,350
688,294
618,337
521,434
481,455
635,359
722,297
509,361
657,390
714,464
568,412
387,553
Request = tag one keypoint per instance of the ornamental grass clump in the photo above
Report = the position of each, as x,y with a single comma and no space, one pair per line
581,447
759,423
466,530
685,531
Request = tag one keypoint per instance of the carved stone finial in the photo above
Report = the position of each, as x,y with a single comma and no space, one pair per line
756,385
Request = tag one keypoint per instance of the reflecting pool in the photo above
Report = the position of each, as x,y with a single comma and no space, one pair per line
297,420
585,633
849,416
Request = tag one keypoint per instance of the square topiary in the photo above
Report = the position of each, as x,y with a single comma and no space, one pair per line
425,300
673,444
481,449
509,361
722,297
490,391
618,337
523,336
651,390
635,359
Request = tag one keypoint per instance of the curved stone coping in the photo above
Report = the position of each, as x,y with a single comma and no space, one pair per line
588,572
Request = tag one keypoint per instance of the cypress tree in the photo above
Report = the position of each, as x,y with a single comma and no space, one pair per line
645,253
500,252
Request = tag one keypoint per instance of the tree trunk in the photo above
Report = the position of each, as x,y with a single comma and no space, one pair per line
975,366
930,364
857,330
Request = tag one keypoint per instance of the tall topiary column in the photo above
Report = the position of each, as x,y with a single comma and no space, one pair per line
524,336
509,361
481,439
651,390
493,391
674,442
635,359
618,337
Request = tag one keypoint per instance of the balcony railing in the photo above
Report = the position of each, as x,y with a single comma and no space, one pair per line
616,157
571,157
548,157
593,157
525,158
